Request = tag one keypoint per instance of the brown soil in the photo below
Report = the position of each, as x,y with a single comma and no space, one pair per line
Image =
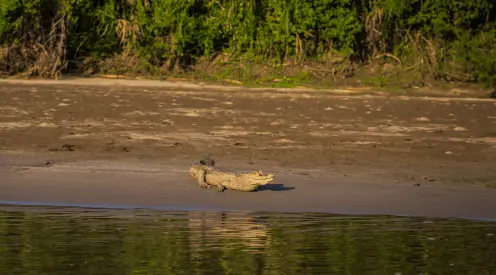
345,140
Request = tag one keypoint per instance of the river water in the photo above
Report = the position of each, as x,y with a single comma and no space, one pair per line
57,240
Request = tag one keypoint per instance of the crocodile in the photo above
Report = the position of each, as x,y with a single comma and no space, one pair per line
207,176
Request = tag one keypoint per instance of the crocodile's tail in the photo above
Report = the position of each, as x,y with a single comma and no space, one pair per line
268,177
251,187
263,178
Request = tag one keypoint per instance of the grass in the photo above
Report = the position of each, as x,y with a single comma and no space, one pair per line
256,75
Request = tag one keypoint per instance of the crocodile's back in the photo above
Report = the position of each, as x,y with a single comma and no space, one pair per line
215,177
230,180
234,181
246,181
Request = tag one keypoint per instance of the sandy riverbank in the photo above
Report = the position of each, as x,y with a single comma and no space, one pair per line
342,153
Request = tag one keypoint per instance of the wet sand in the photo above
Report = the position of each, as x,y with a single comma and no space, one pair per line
104,184
130,146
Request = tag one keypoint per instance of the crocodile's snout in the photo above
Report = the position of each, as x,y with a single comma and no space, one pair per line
193,172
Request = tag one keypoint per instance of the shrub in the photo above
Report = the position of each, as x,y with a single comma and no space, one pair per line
438,38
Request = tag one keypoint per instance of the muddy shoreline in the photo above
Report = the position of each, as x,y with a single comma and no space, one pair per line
162,186
341,152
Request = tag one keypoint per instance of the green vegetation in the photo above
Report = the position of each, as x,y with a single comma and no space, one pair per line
253,41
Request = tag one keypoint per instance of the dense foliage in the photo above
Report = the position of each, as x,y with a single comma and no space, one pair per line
434,38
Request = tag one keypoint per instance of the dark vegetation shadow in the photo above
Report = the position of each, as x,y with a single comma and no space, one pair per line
275,187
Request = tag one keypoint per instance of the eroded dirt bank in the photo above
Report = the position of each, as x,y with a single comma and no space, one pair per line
309,138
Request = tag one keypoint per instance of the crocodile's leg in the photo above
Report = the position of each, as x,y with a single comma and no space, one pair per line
202,179
221,187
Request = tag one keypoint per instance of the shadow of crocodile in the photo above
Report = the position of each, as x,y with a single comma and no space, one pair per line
274,187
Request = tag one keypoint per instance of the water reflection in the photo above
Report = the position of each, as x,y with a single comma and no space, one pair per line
83,241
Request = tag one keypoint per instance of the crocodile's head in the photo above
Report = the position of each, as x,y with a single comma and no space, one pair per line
195,170
199,165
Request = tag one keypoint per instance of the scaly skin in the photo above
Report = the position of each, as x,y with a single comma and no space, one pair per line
208,176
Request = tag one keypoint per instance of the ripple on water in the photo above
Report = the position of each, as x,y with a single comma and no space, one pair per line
65,240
